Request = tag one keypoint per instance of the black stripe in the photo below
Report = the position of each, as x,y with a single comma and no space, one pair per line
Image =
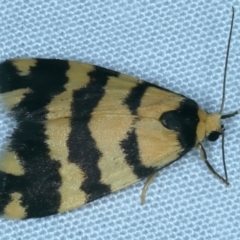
130,144
8,184
41,181
183,121
131,149
10,78
82,146
4,190
46,80
188,131
133,100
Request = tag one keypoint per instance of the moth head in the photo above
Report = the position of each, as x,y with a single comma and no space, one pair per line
214,129
209,126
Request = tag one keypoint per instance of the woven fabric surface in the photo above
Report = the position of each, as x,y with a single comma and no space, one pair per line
180,45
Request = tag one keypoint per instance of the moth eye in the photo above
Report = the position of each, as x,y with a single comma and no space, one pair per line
213,136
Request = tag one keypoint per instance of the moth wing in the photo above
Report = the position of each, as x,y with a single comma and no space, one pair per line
82,132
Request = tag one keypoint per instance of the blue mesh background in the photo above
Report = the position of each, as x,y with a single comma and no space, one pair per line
180,45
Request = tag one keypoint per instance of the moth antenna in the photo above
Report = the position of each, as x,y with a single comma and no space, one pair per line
229,115
226,64
223,100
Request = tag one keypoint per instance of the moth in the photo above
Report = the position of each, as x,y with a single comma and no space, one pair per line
83,132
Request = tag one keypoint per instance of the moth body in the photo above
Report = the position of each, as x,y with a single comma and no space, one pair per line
83,132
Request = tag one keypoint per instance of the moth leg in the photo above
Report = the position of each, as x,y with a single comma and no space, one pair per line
146,185
204,158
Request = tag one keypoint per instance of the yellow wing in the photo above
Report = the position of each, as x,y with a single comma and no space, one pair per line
83,132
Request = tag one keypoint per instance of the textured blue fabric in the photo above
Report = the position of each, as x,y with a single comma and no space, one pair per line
181,45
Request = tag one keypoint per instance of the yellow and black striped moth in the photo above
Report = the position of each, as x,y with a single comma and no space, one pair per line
84,131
